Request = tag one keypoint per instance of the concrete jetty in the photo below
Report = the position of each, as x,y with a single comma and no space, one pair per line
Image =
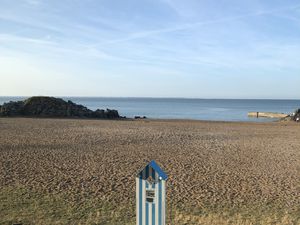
267,115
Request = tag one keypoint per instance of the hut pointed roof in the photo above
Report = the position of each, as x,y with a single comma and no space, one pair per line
156,168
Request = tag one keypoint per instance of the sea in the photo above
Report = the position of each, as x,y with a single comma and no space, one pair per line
184,108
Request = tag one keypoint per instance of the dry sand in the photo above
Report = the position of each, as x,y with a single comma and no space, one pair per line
55,171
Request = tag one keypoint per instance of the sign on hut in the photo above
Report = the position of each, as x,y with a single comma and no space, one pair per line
151,195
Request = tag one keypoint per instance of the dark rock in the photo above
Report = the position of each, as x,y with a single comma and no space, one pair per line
140,117
296,115
106,114
11,108
53,107
111,113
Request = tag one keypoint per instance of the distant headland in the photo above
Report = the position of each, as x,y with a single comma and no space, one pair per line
40,106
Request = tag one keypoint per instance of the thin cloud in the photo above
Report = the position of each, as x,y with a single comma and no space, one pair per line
14,38
50,47
144,34
31,23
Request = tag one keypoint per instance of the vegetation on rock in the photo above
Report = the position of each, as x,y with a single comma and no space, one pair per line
53,107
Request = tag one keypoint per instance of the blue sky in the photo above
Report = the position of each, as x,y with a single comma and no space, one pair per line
150,48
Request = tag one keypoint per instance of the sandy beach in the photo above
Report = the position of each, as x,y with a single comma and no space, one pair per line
64,171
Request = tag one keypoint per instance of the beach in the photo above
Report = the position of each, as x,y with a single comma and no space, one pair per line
71,171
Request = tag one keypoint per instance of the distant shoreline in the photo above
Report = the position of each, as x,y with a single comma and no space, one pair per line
235,110
149,120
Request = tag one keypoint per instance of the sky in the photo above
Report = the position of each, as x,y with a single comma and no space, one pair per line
150,48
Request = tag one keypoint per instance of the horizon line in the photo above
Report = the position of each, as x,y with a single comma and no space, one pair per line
144,97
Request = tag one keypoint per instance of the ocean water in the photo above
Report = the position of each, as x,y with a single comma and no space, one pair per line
182,108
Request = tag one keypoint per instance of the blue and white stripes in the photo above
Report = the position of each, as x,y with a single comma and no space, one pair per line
151,196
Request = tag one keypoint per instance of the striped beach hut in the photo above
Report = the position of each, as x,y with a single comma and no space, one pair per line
151,195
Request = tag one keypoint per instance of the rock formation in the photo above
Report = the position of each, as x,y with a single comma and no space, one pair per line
53,107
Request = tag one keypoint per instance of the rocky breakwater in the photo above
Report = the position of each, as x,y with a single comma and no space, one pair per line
53,107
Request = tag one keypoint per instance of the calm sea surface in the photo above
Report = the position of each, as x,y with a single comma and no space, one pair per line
177,108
